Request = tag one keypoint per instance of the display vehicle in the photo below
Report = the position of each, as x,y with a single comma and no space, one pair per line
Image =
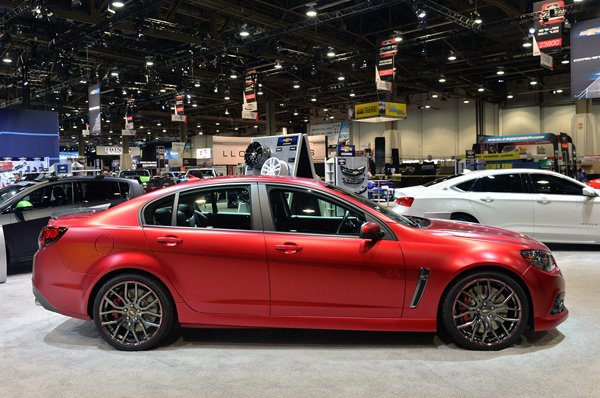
546,205
23,214
142,175
291,253
203,172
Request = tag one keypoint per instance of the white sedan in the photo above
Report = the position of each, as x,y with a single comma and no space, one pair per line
543,204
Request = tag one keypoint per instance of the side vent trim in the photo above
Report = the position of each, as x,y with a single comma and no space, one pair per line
420,288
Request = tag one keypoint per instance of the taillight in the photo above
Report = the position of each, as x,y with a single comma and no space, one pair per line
405,201
50,235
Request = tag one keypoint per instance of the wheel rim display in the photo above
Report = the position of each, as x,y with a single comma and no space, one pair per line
487,311
274,167
130,313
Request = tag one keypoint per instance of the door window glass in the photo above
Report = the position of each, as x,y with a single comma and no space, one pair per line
549,184
52,195
505,183
98,191
159,212
223,208
307,212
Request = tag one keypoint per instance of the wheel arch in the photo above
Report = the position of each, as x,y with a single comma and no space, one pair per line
128,270
484,268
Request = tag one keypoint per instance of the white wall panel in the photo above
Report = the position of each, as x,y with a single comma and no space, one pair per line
557,119
520,121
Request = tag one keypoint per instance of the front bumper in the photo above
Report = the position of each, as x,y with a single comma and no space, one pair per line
547,295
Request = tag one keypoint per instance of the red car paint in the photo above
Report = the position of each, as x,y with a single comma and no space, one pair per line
264,278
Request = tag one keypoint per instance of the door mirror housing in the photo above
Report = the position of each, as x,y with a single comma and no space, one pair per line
371,231
589,192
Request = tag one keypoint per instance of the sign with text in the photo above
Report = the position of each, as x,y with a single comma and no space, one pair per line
548,25
384,71
585,59
95,119
229,150
116,151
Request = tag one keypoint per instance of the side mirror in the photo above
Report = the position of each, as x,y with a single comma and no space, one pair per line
371,231
589,192
23,205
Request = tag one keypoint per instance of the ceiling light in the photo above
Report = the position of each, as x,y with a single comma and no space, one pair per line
162,90
526,43
352,94
217,124
325,109
313,99
305,120
466,101
244,31
331,53
341,78
278,65
565,61
233,75
532,29
421,13
477,18
500,71
427,106
197,84
452,56
255,126
442,79
533,82
332,117
296,85
110,10
226,111
158,123
6,58
227,97
434,95
149,61
397,36
114,73
295,113
311,11
118,4
260,92
481,89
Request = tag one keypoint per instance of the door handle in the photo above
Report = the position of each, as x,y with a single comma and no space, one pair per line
169,240
288,248
487,199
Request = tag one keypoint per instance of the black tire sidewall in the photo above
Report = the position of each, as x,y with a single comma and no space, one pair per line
165,301
458,285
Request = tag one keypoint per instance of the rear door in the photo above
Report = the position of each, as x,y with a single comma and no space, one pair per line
212,247
502,200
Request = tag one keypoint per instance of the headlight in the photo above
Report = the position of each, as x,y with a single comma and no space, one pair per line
540,259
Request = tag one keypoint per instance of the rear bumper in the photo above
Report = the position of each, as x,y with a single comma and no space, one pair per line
41,300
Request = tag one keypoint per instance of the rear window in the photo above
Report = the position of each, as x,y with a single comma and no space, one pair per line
133,173
101,191
202,173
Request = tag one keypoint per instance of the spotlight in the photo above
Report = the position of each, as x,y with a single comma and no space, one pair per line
421,13
341,78
233,75
278,65
6,58
311,11
481,89
533,82
313,99
397,36
477,18
434,95
118,4
526,43
452,56
352,94
500,71
226,111
296,85
149,61
558,91
331,53
244,31
442,79
466,101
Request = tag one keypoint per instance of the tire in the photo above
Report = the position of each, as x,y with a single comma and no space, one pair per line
133,312
463,217
486,310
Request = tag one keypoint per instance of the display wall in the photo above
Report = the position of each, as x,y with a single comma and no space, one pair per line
28,134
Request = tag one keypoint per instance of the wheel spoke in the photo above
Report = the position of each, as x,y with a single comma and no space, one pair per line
156,325
149,313
109,322
123,299
149,305
117,307
125,335
470,312
117,328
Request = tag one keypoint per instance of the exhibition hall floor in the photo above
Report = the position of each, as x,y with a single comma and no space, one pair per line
44,354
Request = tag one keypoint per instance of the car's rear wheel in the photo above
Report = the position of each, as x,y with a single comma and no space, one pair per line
463,217
133,312
486,310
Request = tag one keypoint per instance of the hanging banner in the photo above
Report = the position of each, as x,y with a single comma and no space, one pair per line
129,129
384,71
585,59
179,115
548,25
94,109
250,107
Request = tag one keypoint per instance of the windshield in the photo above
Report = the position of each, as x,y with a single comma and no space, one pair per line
202,173
376,206
10,191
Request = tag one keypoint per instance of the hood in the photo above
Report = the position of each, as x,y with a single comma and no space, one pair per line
467,230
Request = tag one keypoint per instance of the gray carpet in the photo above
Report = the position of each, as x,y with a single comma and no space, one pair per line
43,354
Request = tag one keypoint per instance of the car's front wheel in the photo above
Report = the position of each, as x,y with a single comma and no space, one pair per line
133,312
485,310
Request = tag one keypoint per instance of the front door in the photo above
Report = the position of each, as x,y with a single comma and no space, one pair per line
318,265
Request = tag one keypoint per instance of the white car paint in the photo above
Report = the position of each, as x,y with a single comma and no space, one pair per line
572,217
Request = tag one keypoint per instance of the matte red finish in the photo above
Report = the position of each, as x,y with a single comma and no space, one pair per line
268,279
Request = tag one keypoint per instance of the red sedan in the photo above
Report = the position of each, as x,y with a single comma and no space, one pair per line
291,253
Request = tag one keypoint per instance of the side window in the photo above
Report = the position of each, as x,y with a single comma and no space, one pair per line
549,184
100,191
504,183
307,212
466,186
124,188
223,208
52,195
159,212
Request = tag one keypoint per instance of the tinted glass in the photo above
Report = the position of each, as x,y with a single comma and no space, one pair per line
504,183
296,210
52,195
466,186
548,184
159,212
223,208
99,191
133,173
10,191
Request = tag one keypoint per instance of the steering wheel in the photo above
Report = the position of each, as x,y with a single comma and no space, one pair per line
201,219
341,226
